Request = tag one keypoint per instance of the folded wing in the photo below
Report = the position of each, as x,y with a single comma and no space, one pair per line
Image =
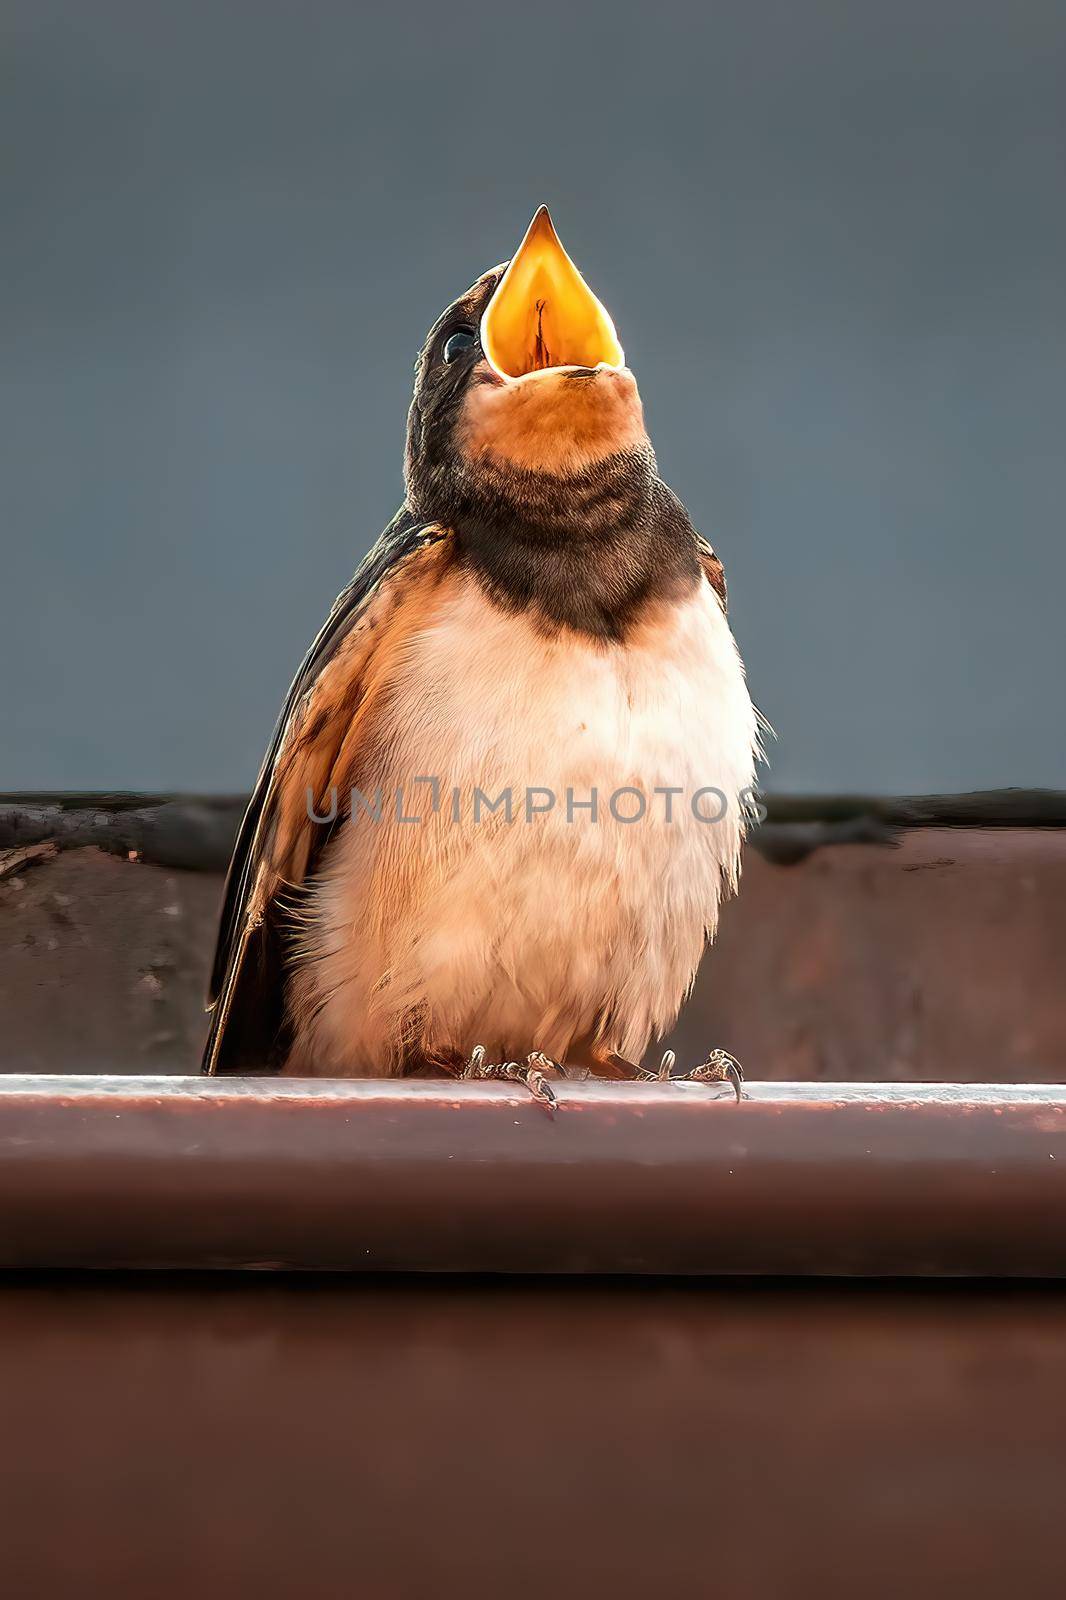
315,744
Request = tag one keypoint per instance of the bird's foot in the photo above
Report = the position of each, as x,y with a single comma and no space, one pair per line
719,1067
533,1072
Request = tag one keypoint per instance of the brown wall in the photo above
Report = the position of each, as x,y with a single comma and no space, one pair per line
943,958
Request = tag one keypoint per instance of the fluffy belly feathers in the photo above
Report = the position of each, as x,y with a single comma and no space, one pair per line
513,914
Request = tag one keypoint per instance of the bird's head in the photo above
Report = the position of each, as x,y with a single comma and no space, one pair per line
522,390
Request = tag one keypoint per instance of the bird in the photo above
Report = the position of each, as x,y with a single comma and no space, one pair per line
509,787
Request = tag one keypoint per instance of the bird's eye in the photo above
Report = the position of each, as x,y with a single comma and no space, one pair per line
459,341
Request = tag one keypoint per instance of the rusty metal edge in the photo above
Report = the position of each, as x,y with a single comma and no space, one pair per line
842,1179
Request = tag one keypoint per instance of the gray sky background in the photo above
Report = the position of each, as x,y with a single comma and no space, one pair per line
832,236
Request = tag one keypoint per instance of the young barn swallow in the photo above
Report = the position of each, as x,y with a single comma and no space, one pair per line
540,626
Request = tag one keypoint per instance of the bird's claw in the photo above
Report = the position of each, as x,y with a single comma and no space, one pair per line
719,1067
531,1072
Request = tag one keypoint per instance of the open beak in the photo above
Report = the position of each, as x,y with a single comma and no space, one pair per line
543,313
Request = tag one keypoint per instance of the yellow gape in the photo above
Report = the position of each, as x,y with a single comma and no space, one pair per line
544,314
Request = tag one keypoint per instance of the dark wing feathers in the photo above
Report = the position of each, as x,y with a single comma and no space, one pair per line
401,536
715,575
713,570
272,850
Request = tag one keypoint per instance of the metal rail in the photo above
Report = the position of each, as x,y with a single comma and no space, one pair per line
863,1179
